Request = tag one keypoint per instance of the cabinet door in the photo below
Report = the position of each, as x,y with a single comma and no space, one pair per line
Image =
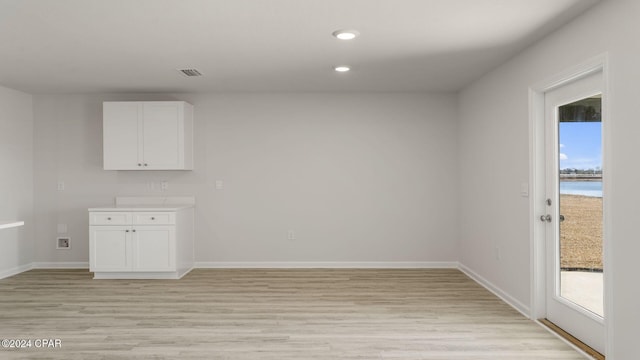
110,248
154,248
122,131
163,135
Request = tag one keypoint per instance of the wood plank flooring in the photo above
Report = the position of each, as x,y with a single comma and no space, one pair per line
269,314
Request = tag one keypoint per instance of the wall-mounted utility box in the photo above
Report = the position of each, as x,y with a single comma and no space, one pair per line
147,135
63,243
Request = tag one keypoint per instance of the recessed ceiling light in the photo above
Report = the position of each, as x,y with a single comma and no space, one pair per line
345,34
342,68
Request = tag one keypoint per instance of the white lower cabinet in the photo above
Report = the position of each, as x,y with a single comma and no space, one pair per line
140,245
153,248
110,248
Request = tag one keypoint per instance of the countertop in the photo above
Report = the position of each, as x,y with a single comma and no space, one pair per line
146,207
5,224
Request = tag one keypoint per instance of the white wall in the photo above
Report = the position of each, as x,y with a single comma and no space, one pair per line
16,179
359,177
494,140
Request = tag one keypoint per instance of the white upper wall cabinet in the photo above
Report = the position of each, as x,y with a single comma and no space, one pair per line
148,135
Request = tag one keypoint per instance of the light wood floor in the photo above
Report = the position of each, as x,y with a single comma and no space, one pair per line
269,314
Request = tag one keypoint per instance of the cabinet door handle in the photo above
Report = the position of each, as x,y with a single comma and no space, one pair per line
139,164
134,230
126,231
145,164
152,218
108,218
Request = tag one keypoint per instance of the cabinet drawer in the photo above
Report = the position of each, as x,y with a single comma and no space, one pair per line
154,218
110,218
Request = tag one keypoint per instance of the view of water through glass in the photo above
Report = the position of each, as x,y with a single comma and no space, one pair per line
580,172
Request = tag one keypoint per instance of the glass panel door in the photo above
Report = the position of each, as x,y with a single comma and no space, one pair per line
580,179
573,168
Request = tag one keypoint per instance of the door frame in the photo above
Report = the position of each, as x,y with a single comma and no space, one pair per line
537,185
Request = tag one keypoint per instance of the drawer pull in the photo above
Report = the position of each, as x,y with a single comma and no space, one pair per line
134,230
126,231
108,218
152,218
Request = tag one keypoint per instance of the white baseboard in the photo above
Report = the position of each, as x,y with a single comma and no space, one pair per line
326,265
61,265
15,271
510,300
261,265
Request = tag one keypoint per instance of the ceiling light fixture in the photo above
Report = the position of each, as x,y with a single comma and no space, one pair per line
342,68
345,34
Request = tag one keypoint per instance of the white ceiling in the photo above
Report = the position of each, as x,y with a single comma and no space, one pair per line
265,45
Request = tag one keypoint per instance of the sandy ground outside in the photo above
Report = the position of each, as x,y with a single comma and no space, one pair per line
581,232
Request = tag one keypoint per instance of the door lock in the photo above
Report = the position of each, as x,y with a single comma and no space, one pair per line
546,218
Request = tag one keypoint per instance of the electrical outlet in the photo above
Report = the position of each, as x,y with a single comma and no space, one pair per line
63,243
291,235
62,228
219,184
497,253
164,185
60,185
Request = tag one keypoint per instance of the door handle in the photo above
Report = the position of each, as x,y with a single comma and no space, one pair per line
546,218
561,217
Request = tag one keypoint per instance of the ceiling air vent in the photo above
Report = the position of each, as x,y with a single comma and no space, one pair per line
190,72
